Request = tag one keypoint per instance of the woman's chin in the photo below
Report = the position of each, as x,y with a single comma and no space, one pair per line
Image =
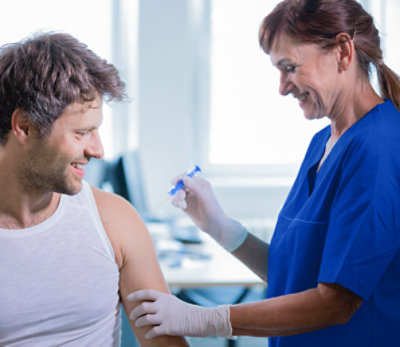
309,114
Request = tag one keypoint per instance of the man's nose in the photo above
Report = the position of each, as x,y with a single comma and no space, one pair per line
95,147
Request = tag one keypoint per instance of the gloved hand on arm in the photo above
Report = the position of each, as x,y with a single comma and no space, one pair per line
198,201
170,316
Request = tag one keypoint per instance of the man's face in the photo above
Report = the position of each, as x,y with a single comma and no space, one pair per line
56,163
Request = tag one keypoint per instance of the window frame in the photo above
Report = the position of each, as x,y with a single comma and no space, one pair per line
202,111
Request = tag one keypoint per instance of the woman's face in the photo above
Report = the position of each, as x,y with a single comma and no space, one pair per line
307,72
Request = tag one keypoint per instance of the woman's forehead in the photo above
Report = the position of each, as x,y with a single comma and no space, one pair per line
287,48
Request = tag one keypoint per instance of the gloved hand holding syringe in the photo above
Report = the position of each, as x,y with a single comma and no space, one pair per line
200,204
180,185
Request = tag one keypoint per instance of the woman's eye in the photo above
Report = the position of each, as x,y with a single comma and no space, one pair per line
290,68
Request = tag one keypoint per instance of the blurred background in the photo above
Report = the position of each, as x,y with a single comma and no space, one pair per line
201,91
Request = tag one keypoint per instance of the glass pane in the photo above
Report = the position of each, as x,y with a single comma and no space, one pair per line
250,123
390,34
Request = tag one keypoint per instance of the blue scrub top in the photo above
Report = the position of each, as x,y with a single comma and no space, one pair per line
342,225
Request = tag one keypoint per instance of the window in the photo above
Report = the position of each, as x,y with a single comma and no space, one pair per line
251,128
251,125
386,19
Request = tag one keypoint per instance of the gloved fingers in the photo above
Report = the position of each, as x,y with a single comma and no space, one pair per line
148,319
182,204
156,331
178,178
178,200
180,194
143,309
144,294
196,184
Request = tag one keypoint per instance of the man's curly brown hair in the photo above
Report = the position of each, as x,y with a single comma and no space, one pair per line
45,73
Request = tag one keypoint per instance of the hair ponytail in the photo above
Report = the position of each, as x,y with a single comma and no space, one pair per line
320,21
389,83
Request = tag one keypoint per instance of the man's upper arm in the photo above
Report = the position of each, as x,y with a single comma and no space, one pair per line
135,256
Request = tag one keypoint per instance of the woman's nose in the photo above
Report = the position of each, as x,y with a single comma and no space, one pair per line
285,84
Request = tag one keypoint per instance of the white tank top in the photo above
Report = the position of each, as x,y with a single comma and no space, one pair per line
59,280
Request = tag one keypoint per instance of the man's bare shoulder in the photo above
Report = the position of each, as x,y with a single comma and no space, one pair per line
135,255
124,226
111,205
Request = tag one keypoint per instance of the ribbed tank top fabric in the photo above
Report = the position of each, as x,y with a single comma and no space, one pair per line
59,280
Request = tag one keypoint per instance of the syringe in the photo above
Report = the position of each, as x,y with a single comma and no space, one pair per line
179,185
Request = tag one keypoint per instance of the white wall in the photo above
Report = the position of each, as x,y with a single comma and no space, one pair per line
164,90
169,110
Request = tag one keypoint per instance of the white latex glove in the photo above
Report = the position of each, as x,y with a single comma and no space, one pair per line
198,201
171,316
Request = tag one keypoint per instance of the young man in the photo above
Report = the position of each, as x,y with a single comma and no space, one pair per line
70,253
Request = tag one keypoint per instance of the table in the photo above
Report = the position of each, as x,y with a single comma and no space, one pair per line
199,265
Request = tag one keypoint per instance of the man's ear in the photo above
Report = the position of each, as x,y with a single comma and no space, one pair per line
20,125
345,51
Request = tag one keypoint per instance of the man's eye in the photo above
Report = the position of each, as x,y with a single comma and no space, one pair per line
81,133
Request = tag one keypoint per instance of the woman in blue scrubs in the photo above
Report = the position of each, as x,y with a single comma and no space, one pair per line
334,260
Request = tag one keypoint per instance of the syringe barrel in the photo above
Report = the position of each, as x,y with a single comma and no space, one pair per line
179,185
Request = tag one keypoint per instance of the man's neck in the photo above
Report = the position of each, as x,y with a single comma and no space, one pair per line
23,211
20,207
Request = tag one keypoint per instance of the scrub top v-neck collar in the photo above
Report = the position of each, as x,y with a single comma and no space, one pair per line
313,173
